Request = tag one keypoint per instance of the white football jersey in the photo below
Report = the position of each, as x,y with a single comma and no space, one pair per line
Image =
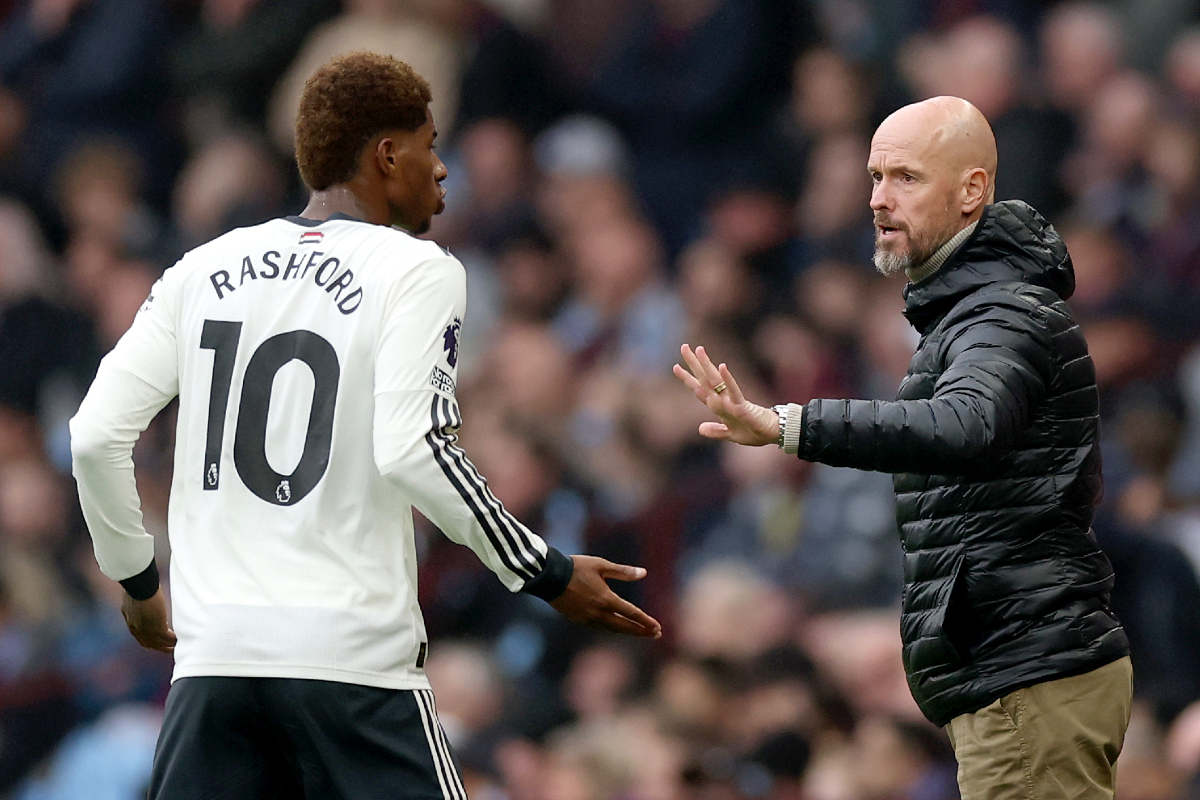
315,365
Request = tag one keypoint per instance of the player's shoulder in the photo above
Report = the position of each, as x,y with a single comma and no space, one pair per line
414,249
216,249
402,260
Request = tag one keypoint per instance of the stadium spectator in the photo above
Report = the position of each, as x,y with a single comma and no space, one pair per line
687,132
1150,26
230,181
231,55
82,69
1104,173
982,60
1080,49
497,185
471,694
829,214
47,346
1183,70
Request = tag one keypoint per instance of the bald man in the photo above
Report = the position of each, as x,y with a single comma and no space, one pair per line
993,442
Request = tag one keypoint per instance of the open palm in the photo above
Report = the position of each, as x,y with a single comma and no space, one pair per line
741,422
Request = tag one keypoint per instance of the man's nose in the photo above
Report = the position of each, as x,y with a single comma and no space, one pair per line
881,198
439,171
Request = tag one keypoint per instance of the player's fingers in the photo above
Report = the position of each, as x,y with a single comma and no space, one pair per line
163,639
631,612
162,645
145,639
622,572
618,624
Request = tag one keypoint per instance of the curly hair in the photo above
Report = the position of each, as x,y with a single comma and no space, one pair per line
346,102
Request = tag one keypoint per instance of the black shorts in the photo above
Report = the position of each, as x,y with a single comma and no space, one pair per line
290,739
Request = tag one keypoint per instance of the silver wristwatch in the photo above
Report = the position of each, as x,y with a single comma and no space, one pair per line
789,434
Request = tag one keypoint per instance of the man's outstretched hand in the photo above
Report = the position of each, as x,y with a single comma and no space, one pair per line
590,601
742,422
147,621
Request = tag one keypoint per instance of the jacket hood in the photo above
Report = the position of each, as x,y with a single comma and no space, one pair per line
1012,242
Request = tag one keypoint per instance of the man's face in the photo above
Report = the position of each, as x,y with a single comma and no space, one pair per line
912,197
415,193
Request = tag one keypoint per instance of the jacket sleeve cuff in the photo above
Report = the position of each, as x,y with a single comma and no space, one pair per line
801,428
144,585
552,581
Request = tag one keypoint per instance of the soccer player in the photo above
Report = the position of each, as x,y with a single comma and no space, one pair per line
314,358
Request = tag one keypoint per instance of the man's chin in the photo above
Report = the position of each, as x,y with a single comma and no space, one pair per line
415,230
890,263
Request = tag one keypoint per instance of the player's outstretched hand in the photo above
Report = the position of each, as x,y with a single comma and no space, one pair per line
742,422
590,601
147,621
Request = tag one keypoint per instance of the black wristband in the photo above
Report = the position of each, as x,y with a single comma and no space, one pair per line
552,581
144,585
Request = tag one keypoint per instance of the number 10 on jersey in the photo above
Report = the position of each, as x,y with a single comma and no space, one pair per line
250,437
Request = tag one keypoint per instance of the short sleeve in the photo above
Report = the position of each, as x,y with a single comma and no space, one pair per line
418,343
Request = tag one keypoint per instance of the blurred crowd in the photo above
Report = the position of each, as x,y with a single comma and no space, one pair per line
625,175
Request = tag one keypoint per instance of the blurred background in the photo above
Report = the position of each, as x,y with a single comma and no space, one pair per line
625,175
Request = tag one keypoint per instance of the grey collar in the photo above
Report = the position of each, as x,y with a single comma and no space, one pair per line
934,262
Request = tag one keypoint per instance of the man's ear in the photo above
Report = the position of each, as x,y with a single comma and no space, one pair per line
976,191
385,155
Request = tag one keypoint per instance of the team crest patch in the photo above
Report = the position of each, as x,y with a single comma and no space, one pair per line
450,341
311,237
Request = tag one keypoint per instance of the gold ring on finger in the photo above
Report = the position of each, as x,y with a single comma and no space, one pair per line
720,387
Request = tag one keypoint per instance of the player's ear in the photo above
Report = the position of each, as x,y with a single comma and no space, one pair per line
385,155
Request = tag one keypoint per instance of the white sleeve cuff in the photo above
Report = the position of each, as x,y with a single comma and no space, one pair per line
793,429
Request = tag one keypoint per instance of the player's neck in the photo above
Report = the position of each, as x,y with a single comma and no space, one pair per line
341,199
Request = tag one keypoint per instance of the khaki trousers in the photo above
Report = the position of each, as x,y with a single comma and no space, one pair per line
1052,740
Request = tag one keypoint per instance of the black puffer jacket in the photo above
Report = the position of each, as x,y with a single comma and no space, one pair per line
994,442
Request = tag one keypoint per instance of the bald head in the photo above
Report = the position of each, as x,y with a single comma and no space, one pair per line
933,166
948,130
